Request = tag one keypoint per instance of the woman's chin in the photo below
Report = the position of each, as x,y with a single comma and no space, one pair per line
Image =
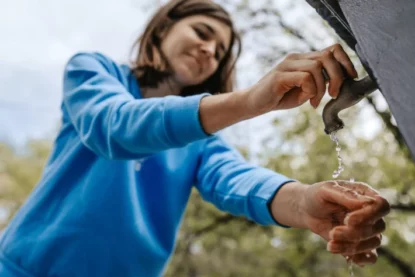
188,77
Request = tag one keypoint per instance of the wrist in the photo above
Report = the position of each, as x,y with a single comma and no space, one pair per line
288,205
243,97
256,102
223,110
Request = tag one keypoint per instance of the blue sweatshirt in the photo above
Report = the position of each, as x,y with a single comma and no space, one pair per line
113,192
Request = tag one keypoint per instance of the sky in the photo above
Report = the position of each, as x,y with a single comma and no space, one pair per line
39,36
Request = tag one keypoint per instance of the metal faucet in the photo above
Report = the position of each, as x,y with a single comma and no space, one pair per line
351,92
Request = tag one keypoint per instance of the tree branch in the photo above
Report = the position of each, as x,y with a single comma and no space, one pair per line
285,265
228,218
386,117
294,32
403,267
404,208
218,221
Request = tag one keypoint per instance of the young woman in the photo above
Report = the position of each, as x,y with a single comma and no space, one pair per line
136,139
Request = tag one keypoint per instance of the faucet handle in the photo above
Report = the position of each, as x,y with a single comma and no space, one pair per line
351,93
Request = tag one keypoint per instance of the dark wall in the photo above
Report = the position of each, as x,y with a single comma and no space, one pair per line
385,31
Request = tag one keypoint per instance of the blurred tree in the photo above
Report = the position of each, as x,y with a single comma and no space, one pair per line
216,244
19,172
212,243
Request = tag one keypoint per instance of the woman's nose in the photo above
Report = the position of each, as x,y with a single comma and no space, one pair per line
208,48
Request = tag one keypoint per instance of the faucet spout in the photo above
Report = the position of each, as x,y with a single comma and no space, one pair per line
350,94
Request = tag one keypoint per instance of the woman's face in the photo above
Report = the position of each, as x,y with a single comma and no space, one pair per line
194,47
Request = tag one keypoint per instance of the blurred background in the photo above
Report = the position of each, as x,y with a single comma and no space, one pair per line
38,37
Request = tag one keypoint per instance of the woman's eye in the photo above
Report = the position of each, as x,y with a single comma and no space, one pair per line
217,56
201,34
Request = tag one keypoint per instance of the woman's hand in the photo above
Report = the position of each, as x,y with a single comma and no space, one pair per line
349,215
299,78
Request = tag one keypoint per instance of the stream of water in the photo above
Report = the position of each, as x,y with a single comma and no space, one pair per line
335,175
340,168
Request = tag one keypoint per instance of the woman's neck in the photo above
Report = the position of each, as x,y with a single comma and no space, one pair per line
167,87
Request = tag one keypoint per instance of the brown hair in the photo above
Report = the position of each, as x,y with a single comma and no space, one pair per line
151,67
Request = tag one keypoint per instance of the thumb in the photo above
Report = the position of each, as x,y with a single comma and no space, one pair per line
352,200
302,80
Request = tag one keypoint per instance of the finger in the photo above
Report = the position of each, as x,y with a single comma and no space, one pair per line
294,98
349,249
294,56
370,213
341,56
368,245
333,192
333,70
297,87
303,80
366,258
360,187
352,234
315,68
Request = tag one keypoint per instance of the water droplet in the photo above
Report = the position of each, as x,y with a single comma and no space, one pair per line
351,273
340,168
336,174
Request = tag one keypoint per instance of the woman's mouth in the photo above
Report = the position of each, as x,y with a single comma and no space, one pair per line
196,62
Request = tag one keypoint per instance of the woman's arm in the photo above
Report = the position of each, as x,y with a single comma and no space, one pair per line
294,81
115,125
228,181
349,215
220,111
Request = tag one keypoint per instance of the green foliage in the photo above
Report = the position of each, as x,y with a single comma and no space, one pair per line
239,248
19,173
212,243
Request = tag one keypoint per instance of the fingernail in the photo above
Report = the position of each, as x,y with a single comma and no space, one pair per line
366,198
331,234
336,234
346,220
328,247
352,221
333,248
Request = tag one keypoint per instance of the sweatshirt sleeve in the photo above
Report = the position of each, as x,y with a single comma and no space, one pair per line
233,185
115,125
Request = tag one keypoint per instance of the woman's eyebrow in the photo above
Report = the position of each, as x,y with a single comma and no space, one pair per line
213,32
